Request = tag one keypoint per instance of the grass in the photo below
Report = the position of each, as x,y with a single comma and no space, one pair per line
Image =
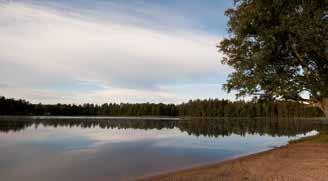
319,138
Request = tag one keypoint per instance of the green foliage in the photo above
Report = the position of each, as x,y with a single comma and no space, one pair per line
278,49
193,108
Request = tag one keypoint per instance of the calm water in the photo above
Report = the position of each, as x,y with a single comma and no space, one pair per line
64,148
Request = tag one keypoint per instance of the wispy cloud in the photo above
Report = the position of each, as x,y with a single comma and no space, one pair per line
45,48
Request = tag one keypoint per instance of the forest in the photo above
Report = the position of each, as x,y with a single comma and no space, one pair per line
192,108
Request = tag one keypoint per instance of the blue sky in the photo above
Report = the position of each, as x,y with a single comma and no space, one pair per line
112,51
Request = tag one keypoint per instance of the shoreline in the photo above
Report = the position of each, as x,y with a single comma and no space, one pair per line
202,165
304,159
206,165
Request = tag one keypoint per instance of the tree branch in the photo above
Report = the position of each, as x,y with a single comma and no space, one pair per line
302,62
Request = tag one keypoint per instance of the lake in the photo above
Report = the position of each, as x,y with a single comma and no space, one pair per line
109,148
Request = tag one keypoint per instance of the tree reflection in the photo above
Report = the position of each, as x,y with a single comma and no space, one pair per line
197,127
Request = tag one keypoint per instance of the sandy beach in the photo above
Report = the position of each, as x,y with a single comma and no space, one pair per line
301,161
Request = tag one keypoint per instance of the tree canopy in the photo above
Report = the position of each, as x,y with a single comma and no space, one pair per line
278,49
192,108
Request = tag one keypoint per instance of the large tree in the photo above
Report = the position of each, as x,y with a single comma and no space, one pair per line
278,49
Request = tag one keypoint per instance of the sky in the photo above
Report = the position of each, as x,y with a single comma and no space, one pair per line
78,51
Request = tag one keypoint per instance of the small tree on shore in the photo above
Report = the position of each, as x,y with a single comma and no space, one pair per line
278,49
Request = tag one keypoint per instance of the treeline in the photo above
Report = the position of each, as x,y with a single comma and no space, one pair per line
22,107
193,108
258,108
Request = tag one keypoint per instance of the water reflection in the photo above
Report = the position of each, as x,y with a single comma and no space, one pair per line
197,127
115,149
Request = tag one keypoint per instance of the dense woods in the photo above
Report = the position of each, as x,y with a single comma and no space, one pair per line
195,108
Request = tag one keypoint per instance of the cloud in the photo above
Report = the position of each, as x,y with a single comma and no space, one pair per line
46,49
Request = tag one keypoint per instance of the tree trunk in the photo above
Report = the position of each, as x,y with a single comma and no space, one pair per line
323,105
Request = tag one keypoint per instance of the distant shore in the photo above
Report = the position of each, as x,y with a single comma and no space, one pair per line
305,159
